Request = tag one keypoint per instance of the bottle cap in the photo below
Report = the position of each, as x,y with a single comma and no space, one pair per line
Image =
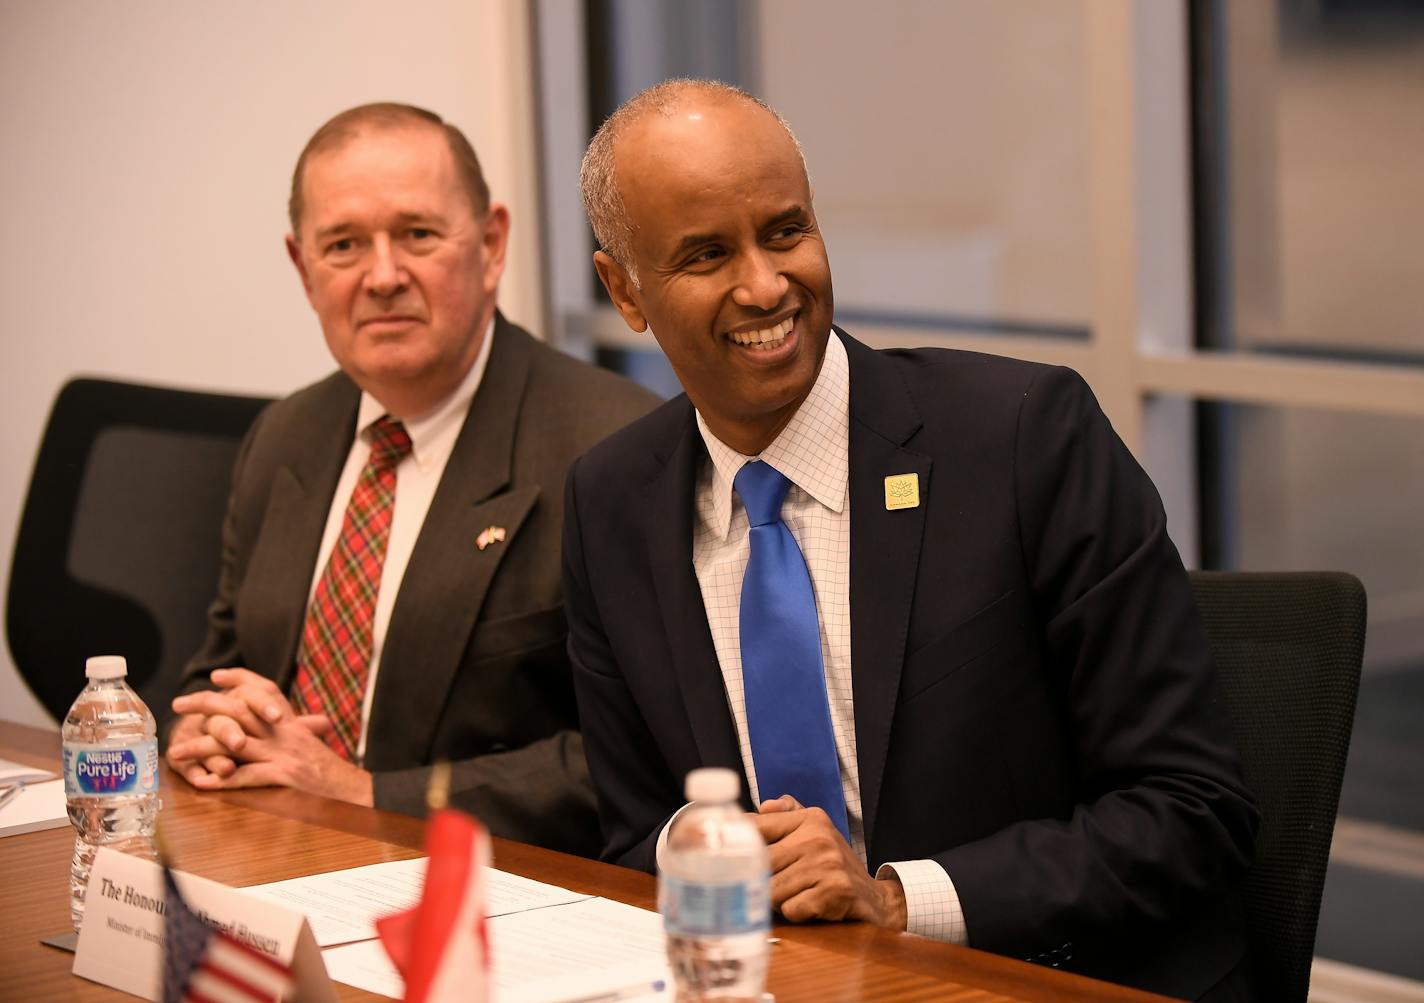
106,667
712,784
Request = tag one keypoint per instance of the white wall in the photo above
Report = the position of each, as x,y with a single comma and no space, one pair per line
148,148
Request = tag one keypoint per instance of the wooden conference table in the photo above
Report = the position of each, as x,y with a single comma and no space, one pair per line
249,837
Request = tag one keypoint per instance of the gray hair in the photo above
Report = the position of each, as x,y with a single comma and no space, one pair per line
602,199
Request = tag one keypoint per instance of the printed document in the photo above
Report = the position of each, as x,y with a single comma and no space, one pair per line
343,906
594,949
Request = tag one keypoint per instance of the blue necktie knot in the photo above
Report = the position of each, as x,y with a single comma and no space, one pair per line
762,489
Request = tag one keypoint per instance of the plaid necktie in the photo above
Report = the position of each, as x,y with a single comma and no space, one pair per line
334,660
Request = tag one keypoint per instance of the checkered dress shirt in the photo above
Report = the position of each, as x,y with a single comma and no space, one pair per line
813,451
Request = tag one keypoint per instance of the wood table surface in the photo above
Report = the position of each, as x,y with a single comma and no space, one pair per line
250,837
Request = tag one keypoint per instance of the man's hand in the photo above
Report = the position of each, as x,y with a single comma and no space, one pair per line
190,765
816,875
246,734
223,720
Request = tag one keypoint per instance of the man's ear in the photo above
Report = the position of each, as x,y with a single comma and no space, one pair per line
620,290
494,240
294,251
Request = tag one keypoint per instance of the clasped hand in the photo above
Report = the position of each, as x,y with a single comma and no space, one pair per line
247,734
816,875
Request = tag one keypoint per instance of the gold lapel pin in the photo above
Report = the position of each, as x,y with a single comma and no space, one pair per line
491,534
902,491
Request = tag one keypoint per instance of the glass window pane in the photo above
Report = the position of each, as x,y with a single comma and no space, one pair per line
951,180
1319,147
647,366
1327,490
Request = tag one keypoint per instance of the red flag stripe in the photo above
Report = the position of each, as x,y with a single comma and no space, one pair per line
211,969
231,971
261,957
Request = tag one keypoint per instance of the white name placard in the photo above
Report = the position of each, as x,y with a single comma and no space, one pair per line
121,941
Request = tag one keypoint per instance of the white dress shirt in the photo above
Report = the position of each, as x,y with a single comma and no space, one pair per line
432,437
813,451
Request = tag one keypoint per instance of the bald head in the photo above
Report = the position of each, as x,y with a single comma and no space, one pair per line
598,178
700,197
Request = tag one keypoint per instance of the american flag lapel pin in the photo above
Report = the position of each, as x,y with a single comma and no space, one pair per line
488,535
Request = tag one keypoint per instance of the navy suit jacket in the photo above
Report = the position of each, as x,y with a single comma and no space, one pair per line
1035,704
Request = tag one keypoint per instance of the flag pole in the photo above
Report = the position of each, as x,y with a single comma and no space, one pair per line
437,792
160,844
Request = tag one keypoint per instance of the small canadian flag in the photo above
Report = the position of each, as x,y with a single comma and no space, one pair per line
441,946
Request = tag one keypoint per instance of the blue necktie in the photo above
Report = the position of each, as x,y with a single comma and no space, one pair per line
788,718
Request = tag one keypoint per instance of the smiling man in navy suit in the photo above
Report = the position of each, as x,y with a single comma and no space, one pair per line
942,570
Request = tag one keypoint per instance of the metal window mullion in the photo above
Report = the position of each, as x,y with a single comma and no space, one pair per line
1296,383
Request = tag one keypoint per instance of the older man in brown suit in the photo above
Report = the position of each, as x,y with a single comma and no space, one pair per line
390,591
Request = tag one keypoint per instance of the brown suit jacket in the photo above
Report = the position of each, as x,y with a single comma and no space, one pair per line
473,669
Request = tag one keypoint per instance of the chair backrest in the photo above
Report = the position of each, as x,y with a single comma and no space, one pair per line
1288,649
119,545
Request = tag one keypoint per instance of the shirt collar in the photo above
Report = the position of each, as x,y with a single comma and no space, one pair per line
433,434
813,450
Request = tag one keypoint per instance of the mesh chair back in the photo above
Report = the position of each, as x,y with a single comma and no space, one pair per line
1288,649
119,544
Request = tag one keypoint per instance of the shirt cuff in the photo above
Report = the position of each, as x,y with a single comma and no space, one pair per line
662,836
931,903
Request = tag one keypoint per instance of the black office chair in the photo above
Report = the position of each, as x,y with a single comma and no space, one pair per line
1288,649
119,544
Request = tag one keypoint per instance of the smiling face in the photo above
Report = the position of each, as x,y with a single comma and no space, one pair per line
397,264
733,277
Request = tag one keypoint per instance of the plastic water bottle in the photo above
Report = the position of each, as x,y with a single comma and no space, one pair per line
110,754
713,893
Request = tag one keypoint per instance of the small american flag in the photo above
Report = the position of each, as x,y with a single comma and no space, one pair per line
202,964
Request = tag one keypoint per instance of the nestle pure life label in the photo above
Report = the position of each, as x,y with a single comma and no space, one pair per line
701,909
96,771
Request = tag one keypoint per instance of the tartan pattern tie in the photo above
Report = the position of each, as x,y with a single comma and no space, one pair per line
334,659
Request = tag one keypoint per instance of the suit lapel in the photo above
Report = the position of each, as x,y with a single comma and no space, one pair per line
668,533
884,560
293,523
884,555
448,577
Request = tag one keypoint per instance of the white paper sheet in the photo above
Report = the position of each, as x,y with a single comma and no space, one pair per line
578,951
12,772
343,906
38,806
